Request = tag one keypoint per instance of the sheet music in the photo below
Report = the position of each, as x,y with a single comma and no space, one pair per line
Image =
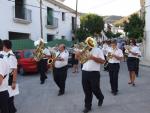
13,92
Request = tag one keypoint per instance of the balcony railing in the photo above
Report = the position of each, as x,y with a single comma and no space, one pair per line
52,23
22,15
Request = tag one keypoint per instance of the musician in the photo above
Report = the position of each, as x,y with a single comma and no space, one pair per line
42,65
60,68
115,55
3,82
12,62
91,77
133,61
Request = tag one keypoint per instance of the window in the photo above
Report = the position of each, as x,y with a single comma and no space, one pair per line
19,9
49,16
63,37
73,23
18,36
50,37
63,16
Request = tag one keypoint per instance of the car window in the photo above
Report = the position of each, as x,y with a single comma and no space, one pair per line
28,54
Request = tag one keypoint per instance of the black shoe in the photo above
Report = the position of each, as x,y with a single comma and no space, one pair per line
61,93
100,102
86,110
133,84
115,93
42,82
46,77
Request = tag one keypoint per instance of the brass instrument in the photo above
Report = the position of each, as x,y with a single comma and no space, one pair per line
109,56
38,55
90,43
127,49
51,61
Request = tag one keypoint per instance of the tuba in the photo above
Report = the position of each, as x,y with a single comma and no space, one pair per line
85,53
38,54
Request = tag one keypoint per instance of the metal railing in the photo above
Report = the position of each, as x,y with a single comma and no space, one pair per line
52,23
22,15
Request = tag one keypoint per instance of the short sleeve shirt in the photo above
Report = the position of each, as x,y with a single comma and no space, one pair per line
4,73
64,55
11,60
134,49
91,65
118,52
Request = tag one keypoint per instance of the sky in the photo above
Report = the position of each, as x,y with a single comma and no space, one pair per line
106,7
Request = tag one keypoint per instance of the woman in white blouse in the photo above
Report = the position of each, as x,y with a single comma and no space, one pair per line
132,61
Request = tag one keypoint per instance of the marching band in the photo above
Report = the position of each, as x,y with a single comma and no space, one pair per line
90,56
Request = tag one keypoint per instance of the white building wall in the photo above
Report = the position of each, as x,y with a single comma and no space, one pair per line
147,29
7,24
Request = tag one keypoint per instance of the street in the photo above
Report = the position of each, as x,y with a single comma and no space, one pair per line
37,98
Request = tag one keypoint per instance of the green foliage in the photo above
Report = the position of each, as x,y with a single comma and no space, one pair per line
135,27
90,24
109,34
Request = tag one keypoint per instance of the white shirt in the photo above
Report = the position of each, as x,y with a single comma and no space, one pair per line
64,55
3,72
134,49
105,47
46,51
91,65
11,60
118,52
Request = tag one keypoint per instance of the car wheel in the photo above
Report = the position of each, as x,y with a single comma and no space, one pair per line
21,71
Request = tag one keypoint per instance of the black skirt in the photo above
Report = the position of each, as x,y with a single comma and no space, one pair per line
132,63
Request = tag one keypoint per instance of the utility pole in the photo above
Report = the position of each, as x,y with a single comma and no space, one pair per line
76,26
41,19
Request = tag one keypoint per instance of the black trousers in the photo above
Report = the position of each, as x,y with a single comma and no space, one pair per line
11,105
60,75
42,67
113,74
4,102
91,85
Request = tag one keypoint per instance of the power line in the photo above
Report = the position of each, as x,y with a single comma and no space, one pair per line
39,7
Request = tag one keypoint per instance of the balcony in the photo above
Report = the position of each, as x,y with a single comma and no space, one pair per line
22,15
52,23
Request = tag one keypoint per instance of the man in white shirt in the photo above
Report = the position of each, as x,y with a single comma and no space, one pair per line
115,55
60,68
3,83
12,63
91,78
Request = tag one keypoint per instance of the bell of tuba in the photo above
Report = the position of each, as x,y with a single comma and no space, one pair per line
85,53
38,54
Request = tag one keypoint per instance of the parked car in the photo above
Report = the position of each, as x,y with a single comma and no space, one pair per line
26,62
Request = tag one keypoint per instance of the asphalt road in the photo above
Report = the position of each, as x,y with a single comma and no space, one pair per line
36,98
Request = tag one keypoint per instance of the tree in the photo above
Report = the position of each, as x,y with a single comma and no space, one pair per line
91,24
135,27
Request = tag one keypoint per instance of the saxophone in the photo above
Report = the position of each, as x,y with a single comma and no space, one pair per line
38,54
